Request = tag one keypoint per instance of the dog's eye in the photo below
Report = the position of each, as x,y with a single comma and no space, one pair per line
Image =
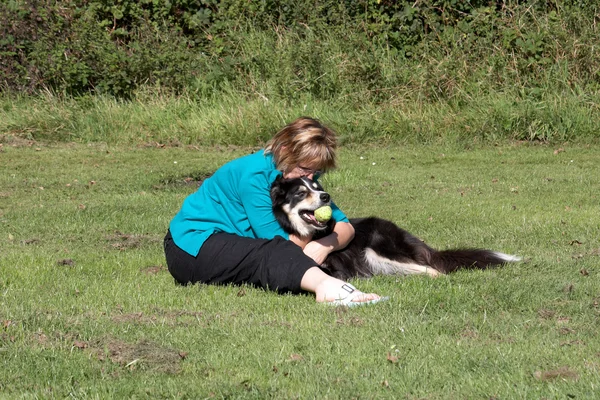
300,195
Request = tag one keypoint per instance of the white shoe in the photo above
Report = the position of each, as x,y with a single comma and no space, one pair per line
347,295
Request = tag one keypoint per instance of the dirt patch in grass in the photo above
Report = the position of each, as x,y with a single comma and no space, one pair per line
546,313
17,139
496,338
343,318
469,333
562,373
144,355
278,324
192,179
67,262
153,269
123,241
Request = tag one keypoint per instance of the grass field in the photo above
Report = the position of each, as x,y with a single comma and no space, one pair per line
88,310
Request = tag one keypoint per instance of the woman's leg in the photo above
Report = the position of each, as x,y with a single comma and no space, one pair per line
224,258
276,264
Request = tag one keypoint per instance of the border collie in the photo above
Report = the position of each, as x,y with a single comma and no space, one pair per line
379,246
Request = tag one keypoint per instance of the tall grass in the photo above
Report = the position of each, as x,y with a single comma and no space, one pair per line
240,119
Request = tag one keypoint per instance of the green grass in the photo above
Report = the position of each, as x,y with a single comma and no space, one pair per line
88,310
245,119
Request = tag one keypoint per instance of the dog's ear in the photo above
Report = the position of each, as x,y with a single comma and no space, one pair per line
277,192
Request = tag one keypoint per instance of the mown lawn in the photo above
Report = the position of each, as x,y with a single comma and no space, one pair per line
88,310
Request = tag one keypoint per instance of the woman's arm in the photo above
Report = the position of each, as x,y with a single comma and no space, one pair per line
319,249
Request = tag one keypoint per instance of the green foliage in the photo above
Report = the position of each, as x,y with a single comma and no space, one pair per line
70,47
374,50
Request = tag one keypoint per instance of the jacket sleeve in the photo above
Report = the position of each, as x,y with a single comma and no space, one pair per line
337,214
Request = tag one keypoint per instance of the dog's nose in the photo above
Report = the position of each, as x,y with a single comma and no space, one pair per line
325,197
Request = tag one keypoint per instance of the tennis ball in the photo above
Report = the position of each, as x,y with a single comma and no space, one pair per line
323,214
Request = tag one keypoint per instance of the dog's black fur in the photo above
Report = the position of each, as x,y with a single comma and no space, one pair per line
379,246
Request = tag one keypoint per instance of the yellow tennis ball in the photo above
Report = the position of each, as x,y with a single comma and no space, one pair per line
323,214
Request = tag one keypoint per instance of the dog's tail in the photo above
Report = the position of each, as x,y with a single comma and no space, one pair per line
447,261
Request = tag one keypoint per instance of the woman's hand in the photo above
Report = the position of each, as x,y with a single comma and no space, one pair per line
313,249
318,250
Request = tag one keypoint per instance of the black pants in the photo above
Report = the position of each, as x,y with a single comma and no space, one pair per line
275,264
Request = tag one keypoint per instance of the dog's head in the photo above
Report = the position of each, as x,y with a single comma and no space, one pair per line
294,203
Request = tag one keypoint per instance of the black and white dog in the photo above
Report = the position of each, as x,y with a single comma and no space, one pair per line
379,247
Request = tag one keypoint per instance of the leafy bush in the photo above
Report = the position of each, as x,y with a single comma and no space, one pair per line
358,50
70,47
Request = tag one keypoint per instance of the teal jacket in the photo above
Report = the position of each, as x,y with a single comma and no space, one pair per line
235,199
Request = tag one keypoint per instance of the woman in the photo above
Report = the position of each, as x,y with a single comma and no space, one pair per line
226,231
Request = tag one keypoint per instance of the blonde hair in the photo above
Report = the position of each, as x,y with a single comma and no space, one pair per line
305,140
